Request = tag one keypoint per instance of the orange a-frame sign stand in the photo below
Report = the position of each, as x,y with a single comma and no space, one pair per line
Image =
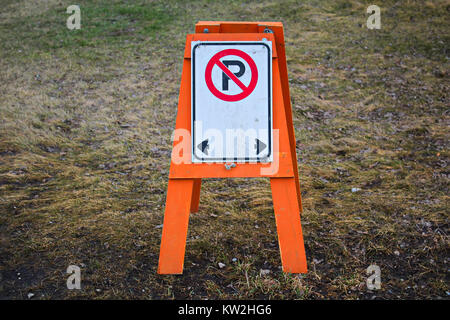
183,191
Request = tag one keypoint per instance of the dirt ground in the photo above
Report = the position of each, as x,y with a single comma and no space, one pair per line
86,118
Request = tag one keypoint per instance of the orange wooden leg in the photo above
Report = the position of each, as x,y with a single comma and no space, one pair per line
299,193
176,220
287,216
196,195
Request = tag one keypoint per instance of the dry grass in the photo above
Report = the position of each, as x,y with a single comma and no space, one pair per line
85,125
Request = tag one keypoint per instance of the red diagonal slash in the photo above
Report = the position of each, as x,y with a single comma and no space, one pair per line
231,75
246,91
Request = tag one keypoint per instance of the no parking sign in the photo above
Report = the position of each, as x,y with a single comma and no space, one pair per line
225,107
231,110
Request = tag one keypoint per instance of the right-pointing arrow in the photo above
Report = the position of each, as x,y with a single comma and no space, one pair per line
260,146
203,146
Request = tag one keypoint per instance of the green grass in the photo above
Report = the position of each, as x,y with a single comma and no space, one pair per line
85,123
102,23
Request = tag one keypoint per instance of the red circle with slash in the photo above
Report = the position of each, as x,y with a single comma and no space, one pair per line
246,90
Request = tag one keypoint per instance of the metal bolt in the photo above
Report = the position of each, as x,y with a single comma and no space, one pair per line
267,30
229,166
205,30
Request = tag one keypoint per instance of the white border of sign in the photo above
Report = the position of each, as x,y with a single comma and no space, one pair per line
265,158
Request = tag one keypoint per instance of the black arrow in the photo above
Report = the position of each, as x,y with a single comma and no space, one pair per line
260,146
203,146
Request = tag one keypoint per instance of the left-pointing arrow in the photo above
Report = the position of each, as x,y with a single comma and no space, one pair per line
203,146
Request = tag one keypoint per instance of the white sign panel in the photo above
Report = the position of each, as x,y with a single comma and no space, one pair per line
231,110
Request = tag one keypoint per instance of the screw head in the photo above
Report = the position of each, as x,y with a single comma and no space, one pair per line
229,166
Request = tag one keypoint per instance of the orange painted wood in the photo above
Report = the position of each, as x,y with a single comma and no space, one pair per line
289,228
176,219
195,201
279,36
235,26
183,193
